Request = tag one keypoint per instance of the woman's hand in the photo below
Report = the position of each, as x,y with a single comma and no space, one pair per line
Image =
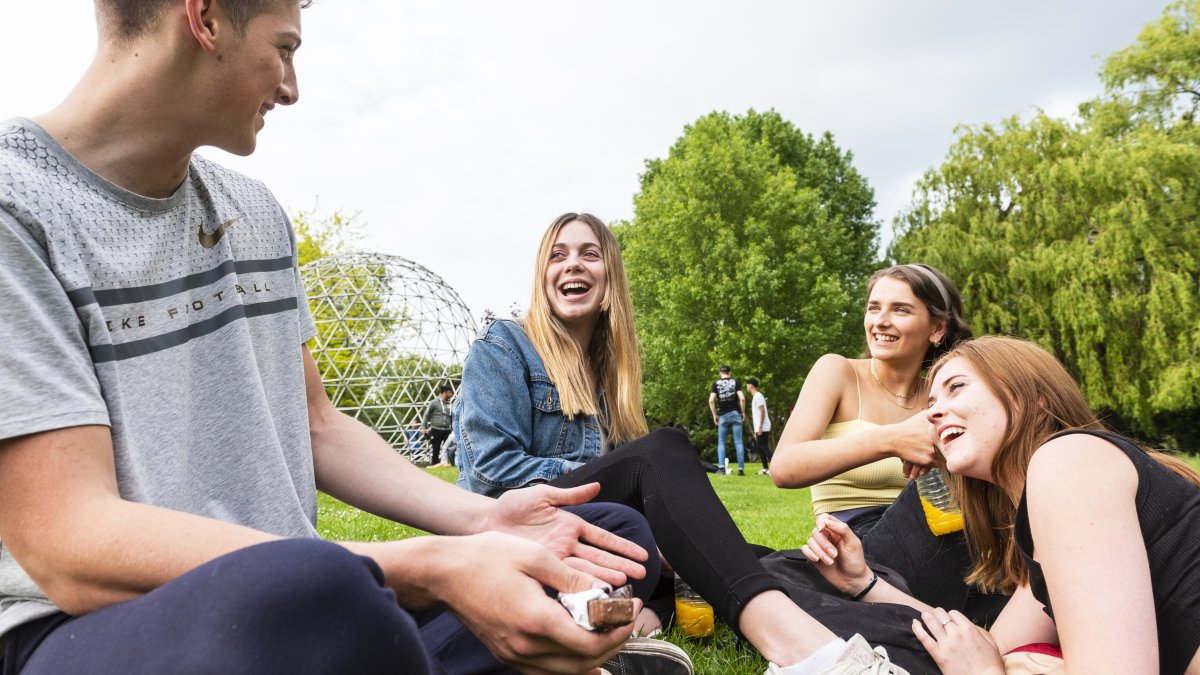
959,646
838,554
913,442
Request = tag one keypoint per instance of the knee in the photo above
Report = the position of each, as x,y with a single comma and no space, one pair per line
300,593
668,447
302,576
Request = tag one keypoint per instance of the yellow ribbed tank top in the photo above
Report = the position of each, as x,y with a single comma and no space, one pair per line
876,484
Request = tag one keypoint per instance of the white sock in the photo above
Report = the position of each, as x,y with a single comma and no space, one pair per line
819,661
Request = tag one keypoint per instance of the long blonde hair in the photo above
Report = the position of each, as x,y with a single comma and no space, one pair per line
615,367
1041,399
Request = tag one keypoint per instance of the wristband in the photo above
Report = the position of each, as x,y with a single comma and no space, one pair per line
866,589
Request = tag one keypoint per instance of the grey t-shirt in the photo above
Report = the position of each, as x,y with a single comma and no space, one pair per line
176,322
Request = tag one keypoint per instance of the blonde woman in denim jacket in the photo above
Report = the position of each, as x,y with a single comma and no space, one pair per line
556,397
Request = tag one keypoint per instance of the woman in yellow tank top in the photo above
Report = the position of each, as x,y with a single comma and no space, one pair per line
859,432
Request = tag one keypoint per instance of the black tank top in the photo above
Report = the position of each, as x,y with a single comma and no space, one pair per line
1168,509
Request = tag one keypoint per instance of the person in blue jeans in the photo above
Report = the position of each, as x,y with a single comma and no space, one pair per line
728,405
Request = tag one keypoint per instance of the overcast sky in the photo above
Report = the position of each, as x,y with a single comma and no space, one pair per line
460,129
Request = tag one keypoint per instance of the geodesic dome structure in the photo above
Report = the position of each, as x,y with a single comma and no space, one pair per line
389,334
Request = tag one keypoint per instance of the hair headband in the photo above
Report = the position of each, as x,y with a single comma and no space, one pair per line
936,282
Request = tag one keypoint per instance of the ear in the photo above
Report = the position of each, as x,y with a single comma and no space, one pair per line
202,22
938,333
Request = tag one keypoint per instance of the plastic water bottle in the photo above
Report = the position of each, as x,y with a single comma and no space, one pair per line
941,510
693,616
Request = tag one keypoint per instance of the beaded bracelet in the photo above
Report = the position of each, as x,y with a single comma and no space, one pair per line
866,589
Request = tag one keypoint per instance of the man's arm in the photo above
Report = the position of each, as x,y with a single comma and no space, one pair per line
356,465
742,404
712,405
762,415
85,547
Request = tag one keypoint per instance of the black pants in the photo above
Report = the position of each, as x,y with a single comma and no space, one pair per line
933,566
294,606
660,475
436,438
762,445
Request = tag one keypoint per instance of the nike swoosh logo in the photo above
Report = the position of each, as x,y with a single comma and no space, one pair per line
210,240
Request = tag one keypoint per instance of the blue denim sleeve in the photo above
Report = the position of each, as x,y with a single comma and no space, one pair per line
493,423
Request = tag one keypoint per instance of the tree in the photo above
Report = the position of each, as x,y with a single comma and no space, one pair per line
317,237
749,245
1082,236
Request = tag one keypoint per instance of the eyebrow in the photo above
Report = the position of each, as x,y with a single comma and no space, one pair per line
933,399
900,303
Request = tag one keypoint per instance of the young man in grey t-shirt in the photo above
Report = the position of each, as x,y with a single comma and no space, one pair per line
164,428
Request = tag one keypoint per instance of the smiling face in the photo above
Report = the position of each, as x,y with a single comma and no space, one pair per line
968,419
897,322
576,278
255,73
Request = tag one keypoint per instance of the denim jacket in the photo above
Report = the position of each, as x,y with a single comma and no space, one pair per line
509,424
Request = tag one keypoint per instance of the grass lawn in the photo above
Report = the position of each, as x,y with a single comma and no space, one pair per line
765,514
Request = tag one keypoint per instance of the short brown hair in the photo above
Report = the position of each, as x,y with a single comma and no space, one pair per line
129,19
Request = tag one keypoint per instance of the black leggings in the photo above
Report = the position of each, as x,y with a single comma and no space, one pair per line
660,475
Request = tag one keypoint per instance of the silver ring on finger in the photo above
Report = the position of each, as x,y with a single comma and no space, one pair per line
947,621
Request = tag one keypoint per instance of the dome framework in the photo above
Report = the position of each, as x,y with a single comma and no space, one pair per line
390,333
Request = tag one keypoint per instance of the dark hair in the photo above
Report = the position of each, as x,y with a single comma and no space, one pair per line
444,388
724,369
752,381
131,18
940,296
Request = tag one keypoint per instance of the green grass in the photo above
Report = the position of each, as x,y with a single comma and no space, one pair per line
765,514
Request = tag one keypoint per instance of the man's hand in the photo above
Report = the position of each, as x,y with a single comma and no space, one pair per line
533,513
494,584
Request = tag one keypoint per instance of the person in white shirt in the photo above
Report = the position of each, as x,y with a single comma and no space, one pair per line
762,425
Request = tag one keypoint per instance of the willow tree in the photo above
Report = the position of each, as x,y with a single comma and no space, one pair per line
1083,235
749,245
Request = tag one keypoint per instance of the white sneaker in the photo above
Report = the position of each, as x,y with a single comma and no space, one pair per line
647,656
857,659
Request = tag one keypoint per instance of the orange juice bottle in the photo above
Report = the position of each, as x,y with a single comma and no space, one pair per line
941,511
693,615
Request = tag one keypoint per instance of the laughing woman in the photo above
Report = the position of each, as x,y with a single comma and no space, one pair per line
859,433
1093,534
549,399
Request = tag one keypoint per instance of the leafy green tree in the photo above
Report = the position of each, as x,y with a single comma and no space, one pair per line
1160,73
749,245
317,237
1083,236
